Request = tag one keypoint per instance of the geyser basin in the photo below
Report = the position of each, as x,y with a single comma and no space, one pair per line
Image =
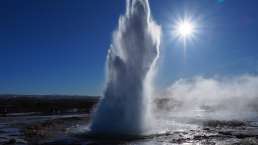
125,107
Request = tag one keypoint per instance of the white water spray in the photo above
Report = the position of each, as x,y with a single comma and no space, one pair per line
125,107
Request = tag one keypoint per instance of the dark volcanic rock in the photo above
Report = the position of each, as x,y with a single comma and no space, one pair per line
10,142
240,133
248,141
219,123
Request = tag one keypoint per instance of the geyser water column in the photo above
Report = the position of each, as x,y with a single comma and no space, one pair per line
125,107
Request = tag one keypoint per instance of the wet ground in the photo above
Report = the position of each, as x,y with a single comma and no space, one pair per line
23,129
69,130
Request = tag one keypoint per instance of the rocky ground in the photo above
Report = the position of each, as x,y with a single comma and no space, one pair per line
59,130
23,130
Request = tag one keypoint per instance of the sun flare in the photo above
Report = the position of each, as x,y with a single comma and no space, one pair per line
185,29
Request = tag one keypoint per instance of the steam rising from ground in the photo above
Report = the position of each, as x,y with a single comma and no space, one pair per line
125,108
223,98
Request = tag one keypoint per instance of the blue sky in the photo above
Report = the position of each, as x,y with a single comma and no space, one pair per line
59,47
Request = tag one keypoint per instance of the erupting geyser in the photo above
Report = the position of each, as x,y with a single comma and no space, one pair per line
125,107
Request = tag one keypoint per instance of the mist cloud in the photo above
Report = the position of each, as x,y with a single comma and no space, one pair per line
236,97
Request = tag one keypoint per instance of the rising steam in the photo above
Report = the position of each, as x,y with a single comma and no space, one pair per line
222,98
125,107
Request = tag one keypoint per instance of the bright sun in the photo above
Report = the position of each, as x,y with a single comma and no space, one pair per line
184,29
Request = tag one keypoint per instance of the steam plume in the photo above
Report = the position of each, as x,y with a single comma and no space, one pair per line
130,63
225,98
